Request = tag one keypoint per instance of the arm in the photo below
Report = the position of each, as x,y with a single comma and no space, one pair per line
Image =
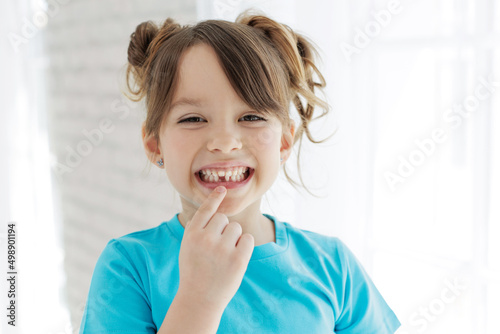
364,309
117,301
186,316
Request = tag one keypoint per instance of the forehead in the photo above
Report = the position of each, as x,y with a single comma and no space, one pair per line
186,101
202,81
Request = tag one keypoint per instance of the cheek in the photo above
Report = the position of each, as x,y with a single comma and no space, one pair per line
267,138
179,144
179,151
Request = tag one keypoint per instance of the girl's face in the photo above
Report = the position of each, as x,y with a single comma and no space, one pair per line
219,127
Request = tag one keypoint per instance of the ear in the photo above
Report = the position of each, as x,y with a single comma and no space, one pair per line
151,145
287,141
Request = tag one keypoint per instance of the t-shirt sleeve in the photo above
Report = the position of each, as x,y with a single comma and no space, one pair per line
364,310
117,301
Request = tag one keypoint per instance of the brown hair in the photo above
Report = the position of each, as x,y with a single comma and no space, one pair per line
266,62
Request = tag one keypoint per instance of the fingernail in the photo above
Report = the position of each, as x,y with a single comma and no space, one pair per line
220,189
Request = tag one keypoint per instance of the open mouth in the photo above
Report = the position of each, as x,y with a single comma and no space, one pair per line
222,180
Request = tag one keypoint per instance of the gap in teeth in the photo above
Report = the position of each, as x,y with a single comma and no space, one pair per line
214,175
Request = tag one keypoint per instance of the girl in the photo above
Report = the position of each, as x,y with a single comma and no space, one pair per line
217,97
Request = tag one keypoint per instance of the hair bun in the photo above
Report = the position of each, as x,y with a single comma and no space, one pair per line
139,42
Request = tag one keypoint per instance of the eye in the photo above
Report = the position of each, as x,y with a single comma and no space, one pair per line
258,118
186,119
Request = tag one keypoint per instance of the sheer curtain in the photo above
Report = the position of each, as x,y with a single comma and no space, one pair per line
434,214
25,188
410,182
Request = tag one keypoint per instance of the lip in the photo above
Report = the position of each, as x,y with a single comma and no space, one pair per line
228,185
225,164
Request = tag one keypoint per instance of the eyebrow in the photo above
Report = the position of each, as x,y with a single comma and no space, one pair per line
186,101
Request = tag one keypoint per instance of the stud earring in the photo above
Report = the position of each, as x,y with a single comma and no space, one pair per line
160,163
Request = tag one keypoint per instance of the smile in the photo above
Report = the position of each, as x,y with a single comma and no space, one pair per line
221,181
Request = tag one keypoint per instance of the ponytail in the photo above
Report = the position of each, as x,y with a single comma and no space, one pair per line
298,56
144,44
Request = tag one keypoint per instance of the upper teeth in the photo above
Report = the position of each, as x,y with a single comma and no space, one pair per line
226,172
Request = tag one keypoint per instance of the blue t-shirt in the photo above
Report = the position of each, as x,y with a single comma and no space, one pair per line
305,282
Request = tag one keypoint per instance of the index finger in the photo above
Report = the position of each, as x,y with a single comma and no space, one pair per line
207,209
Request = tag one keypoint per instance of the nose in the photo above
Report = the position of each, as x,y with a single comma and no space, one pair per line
224,138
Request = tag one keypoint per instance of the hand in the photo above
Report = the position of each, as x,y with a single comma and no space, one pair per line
214,255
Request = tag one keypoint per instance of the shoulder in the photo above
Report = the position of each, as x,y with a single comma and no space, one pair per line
151,235
323,245
303,235
138,242
132,254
